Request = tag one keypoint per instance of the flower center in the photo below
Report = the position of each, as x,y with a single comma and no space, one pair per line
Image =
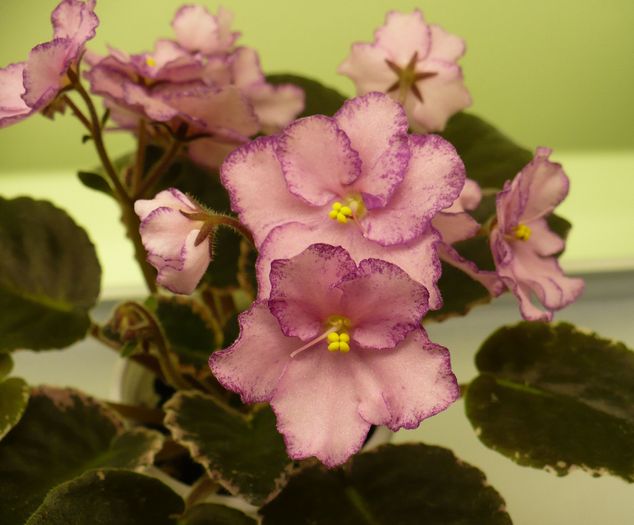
522,232
150,61
351,208
336,334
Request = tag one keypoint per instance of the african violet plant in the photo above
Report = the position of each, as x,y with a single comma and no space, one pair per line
302,240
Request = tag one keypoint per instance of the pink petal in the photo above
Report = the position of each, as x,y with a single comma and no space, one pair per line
490,280
75,20
276,106
418,258
416,379
210,152
383,304
12,107
469,197
443,95
253,365
544,276
542,240
367,68
303,293
258,191
317,159
196,29
377,129
454,227
163,233
434,179
547,183
151,105
445,46
223,109
403,35
317,403
44,72
170,198
245,66
195,260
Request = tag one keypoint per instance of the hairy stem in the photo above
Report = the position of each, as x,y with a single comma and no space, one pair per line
158,169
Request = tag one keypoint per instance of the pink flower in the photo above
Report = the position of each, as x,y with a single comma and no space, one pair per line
523,246
454,224
416,64
337,348
201,81
357,180
28,87
178,243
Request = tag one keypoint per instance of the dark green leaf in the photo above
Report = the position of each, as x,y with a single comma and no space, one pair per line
552,396
244,453
213,514
61,435
490,157
404,485
6,365
320,99
188,327
109,497
94,181
14,395
49,276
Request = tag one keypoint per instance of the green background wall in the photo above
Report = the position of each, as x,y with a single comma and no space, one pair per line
549,72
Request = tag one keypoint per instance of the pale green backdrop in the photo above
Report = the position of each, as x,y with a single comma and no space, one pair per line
552,72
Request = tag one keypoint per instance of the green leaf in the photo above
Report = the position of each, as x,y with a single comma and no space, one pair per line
95,181
404,485
188,327
320,99
109,497
6,365
62,434
490,157
49,276
245,454
554,397
14,396
213,514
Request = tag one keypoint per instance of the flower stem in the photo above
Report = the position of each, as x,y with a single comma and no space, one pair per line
128,216
158,169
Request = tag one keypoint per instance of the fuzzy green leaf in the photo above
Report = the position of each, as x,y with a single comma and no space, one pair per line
213,514
244,453
555,397
62,434
49,276
404,485
109,497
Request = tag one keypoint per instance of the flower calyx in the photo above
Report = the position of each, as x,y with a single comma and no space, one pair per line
407,77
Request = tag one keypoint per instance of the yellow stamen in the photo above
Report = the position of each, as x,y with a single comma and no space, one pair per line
338,341
522,232
150,61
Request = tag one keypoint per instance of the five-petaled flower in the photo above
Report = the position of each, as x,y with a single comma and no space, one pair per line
415,63
176,235
524,247
356,180
337,348
30,86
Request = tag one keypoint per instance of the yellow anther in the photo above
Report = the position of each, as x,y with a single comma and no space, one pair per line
338,341
522,232
340,213
150,61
